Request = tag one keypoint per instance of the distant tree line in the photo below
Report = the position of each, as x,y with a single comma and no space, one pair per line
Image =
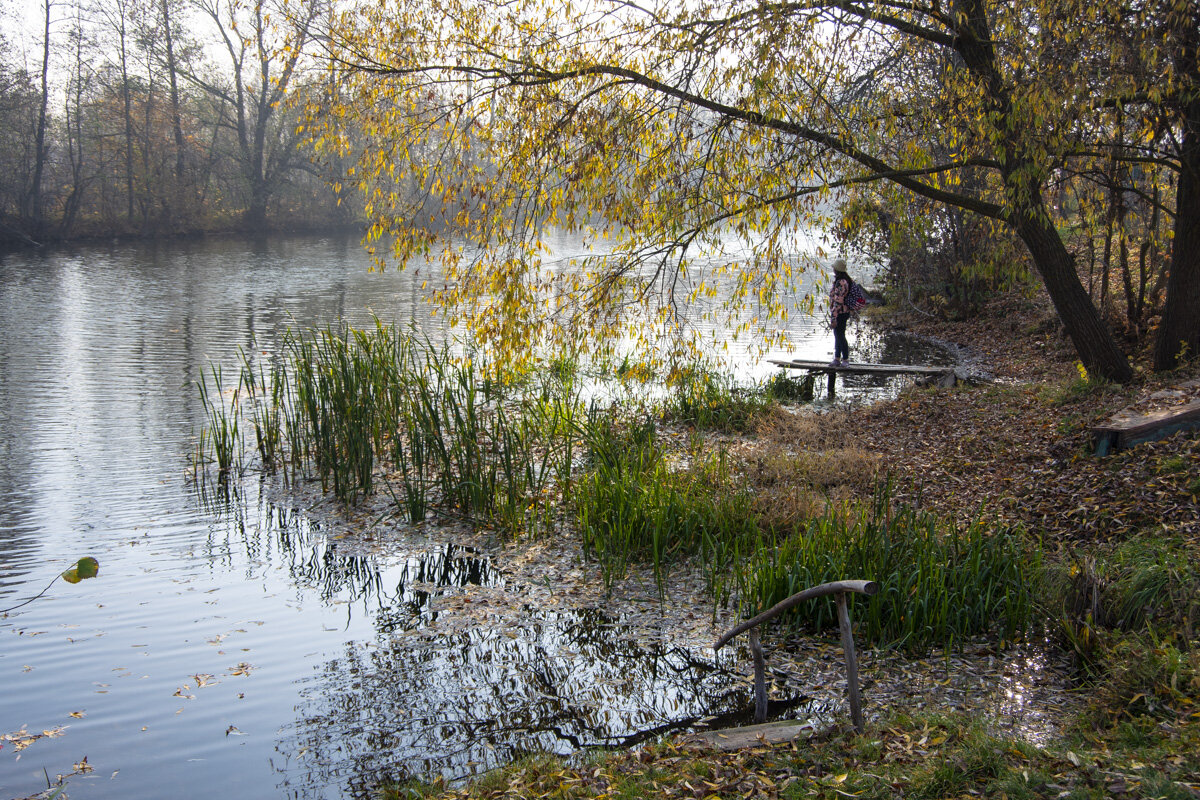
161,117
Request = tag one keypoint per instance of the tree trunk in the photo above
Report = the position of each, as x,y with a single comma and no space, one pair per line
33,199
73,113
173,76
1027,214
1179,333
127,101
1093,341
255,217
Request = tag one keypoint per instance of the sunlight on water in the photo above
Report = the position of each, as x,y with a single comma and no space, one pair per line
229,644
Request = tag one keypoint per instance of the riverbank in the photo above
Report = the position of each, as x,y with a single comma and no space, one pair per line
1121,532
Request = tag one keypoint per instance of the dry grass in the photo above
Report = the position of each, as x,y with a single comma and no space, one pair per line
805,429
799,464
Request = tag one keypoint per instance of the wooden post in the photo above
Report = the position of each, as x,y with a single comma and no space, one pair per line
832,379
851,662
760,678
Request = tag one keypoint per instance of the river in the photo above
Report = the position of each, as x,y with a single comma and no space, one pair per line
230,649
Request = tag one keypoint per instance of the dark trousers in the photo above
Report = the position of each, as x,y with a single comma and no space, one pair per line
841,347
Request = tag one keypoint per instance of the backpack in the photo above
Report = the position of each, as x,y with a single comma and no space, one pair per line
855,298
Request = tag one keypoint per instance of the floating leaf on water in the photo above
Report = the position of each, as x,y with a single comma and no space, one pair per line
86,567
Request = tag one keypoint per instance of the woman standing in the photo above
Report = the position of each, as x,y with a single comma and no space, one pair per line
839,313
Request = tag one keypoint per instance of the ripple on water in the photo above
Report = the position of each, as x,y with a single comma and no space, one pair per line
239,648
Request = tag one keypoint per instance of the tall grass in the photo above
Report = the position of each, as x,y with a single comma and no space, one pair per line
267,395
220,440
334,394
939,582
351,405
633,507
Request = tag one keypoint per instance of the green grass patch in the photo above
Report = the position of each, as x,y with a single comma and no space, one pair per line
939,582
634,507
928,756
713,401
1146,585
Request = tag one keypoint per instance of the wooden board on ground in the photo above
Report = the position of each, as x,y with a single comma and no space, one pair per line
769,733
1129,427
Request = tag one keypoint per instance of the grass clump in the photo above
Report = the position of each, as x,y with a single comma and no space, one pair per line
713,401
939,583
1146,677
632,506
1146,585
784,388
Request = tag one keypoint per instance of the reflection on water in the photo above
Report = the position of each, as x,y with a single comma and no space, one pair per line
440,690
455,704
233,645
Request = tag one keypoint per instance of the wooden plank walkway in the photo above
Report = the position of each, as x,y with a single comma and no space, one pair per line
1127,428
944,377
864,368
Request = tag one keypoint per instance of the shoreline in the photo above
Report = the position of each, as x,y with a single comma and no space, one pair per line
1024,690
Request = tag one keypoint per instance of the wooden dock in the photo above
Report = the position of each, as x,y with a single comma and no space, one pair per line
938,376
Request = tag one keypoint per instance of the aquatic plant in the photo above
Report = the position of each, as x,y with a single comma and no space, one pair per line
456,440
84,568
267,401
220,440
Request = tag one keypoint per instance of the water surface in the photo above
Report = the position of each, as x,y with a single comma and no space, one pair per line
229,646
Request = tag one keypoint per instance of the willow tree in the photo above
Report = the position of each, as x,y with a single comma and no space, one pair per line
661,129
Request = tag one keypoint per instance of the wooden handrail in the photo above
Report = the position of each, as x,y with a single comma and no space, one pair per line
838,588
824,590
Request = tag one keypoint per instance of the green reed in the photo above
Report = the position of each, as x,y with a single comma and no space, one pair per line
220,440
352,404
267,395
711,400
939,582
633,507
